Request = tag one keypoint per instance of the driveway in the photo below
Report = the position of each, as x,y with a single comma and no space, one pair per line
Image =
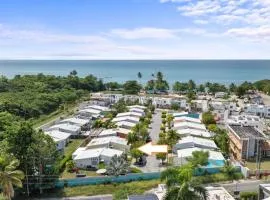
152,164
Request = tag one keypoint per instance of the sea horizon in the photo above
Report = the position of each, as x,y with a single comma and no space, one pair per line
200,70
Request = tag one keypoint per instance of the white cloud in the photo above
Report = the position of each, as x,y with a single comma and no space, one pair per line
145,33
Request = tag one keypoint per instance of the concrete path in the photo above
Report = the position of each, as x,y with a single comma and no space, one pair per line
153,165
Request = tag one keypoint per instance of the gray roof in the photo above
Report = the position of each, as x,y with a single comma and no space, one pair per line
246,131
143,197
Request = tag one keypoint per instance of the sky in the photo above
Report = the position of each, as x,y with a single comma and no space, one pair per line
134,29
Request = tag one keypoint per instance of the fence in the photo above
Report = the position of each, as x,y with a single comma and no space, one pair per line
106,179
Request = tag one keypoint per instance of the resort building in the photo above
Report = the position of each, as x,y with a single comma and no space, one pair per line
259,110
218,193
89,113
195,133
246,142
88,158
220,94
200,105
246,120
191,142
109,142
215,159
68,128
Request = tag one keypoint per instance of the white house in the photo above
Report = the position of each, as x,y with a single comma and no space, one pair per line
108,133
186,119
218,193
137,106
201,105
184,154
125,124
195,133
109,142
68,128
83,123
189,125
85,158
60,138
191,142
137,110
131,114
179,114
220,94
127,119
89,113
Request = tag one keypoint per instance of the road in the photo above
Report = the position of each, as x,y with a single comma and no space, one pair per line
243,185
153,165
99,197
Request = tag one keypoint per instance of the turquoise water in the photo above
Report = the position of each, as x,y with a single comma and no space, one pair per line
223,71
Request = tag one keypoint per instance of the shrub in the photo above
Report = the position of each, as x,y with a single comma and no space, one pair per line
248,195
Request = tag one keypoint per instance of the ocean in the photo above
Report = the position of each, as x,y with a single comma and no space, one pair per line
201,71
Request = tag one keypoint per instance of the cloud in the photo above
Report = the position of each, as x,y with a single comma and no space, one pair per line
145,33
231,16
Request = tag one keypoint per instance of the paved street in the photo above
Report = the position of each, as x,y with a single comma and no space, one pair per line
152,164
243,185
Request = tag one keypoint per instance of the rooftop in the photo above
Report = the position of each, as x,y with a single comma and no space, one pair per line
90,110
198,141
97,107
190,125
125,123
194,132
137,106
106,140
246,131
76,120
108,132
136,110
129,114
65,127
125,118
213,155
218,193
187,119
58,135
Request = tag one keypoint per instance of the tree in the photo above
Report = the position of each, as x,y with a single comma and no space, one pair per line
201,88
139,75
136,153
182,185
208,118
10,177
199,158
162,157
229,170
70,165
170,120
172,138
118,166
232,87
131,87
175,106
180,87
73,73
191,85
240,91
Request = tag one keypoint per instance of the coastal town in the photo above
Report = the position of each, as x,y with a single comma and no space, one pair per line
114,128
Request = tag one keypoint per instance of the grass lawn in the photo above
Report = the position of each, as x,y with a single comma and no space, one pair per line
264,164
72,146
68,175
119,191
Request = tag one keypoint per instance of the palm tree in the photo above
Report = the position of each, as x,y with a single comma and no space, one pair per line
172,138
169,120
229,170
139,75
118,166
182,185
10,177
